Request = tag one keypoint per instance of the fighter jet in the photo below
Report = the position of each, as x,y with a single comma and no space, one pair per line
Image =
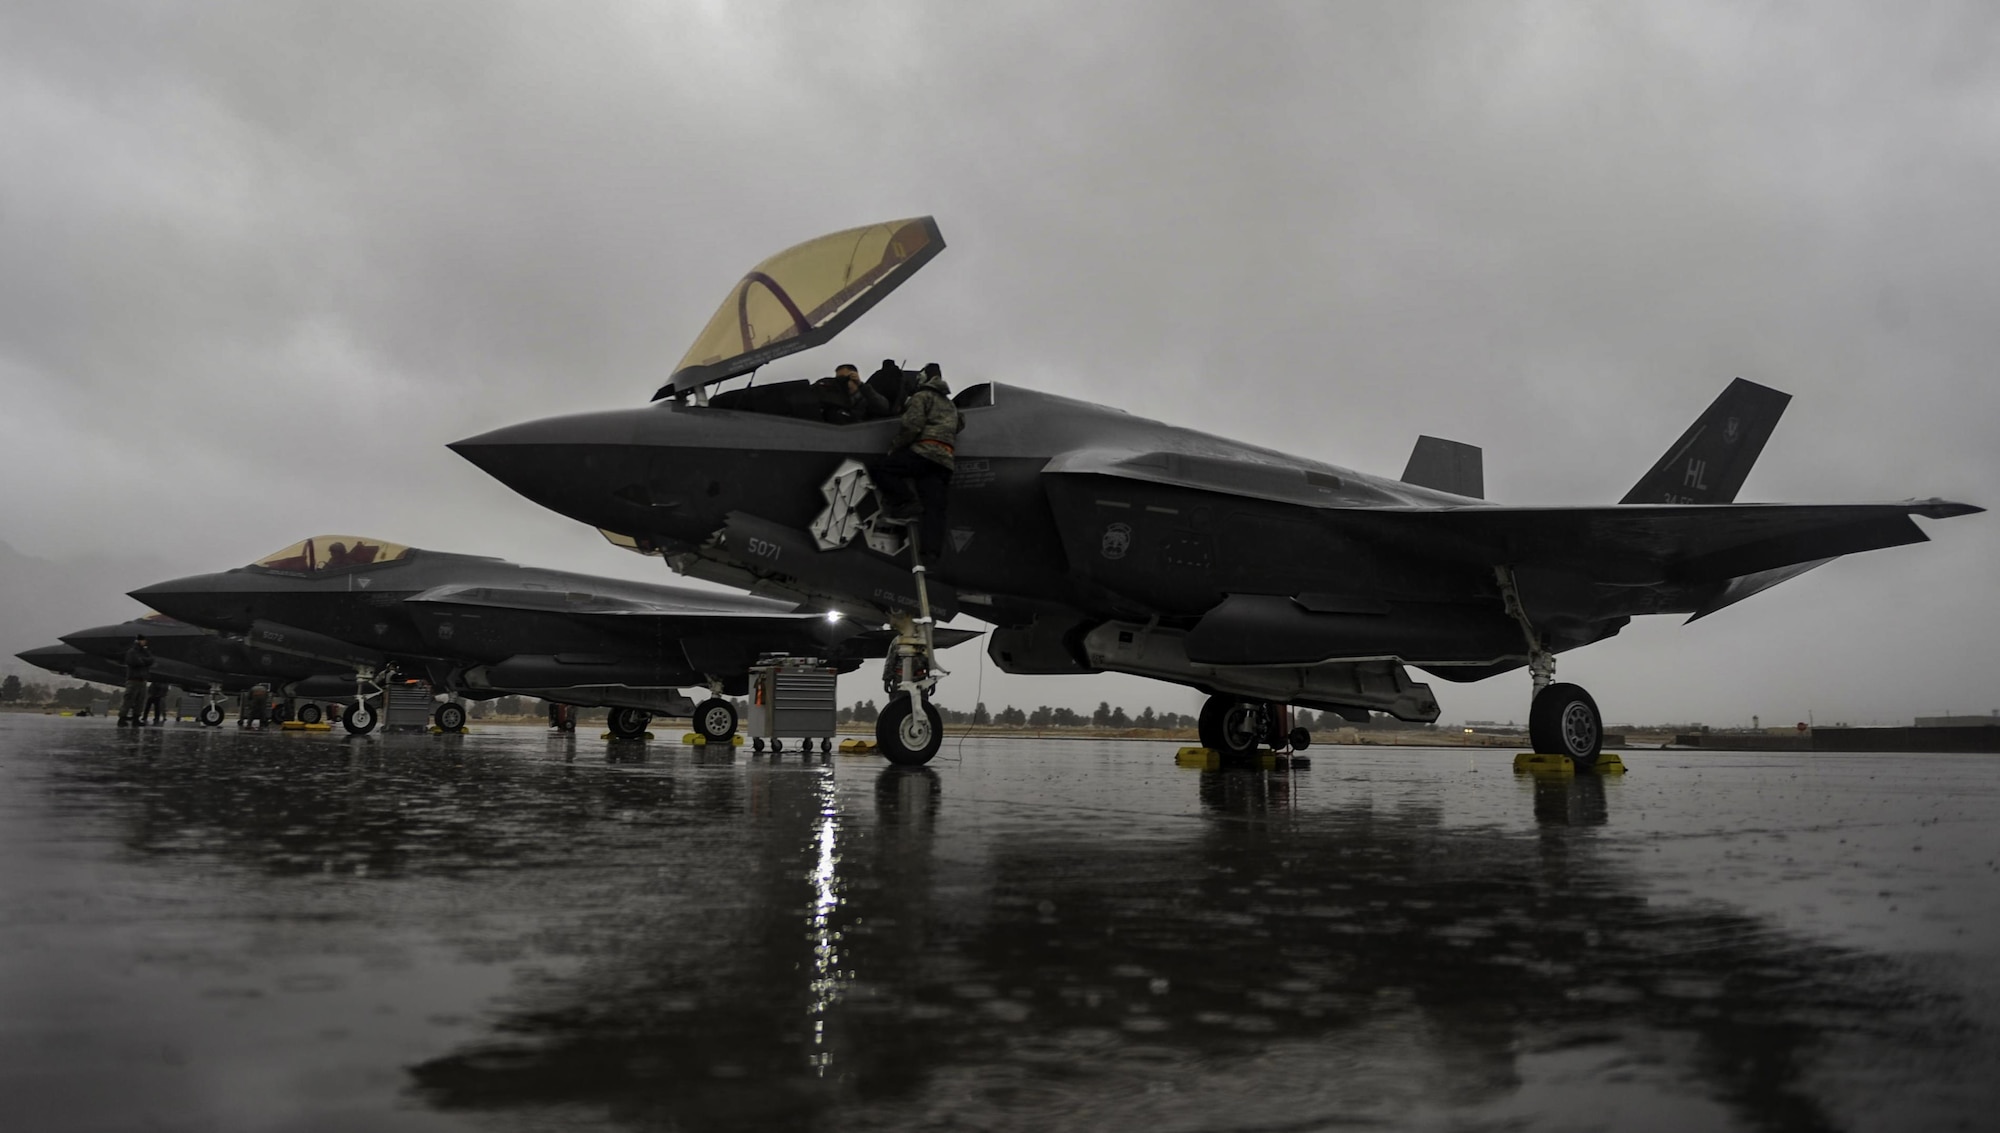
70,661
212,664
1099,541
482,627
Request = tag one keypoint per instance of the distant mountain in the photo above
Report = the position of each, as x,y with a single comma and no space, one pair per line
41,599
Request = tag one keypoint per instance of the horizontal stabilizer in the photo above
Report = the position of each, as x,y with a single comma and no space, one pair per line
1447,466
1712,459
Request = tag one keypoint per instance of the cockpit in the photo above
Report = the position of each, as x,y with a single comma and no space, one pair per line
816,401
332,552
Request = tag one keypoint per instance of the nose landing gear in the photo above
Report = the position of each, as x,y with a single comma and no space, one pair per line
909,730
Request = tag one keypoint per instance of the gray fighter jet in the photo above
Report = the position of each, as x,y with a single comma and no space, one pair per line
212,664
1098,541
482,627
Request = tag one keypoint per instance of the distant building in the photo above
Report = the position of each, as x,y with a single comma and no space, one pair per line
1992,721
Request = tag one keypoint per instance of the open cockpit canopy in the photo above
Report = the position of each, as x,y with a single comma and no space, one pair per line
332,552
802,297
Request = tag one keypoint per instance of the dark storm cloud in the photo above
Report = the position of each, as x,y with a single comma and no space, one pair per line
258,263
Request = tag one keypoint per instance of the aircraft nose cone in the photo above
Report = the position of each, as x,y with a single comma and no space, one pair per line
571,465
102,641
199,599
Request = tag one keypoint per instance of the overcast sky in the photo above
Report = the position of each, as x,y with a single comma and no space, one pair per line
260,262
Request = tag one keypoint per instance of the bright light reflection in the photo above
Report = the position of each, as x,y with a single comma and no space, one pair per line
826,981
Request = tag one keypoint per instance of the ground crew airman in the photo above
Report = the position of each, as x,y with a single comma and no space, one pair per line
915,477
138,662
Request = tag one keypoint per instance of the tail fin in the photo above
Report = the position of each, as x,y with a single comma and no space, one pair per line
1447,466
1712,459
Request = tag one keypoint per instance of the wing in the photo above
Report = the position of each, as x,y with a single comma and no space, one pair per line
1648,543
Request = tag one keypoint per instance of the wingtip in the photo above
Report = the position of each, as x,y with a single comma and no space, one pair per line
1943,509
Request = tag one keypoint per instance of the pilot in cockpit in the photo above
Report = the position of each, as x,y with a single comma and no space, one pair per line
893,385
844,399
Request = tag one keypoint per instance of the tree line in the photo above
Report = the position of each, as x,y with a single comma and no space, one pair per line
1115,718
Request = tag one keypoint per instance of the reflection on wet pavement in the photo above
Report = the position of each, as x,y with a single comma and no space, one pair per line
287,931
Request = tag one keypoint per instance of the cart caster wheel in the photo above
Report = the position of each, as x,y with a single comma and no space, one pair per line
757,745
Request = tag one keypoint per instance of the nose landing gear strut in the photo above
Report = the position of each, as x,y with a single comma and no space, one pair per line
909,730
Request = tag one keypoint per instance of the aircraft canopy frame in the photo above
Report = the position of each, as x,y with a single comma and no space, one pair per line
332,552
802,297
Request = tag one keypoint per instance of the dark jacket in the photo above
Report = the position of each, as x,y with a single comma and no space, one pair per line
838,407
138,659
930,423
893,385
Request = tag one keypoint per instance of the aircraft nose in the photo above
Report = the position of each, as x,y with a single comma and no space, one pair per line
571,465
102,641
204,600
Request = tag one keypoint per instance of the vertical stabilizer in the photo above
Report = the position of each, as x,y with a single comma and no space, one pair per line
1447,466
1712,459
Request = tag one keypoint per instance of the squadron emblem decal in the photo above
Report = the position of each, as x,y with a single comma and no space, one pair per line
1731,430
1117,540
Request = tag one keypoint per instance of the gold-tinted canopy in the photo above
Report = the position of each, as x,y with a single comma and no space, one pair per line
331,552
802,297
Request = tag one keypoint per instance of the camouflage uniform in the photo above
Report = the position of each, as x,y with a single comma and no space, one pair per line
915,477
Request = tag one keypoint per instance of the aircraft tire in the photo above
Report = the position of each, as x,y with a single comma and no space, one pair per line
309,714
211,715
1564,721
360,719
1223,728
715,720
628,723
905,738
1301,739
449,717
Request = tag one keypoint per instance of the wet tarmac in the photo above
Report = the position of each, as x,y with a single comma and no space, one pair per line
226,931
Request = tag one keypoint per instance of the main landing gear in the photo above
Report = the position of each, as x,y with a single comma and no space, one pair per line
449,717
628,723
1562,718
909,730
715,720
1235,728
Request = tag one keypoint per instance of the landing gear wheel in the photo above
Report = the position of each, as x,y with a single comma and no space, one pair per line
906,737
449,717
628,723
715,720
309,714
210,716
1231,727
359,720
1301,739
1564,721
